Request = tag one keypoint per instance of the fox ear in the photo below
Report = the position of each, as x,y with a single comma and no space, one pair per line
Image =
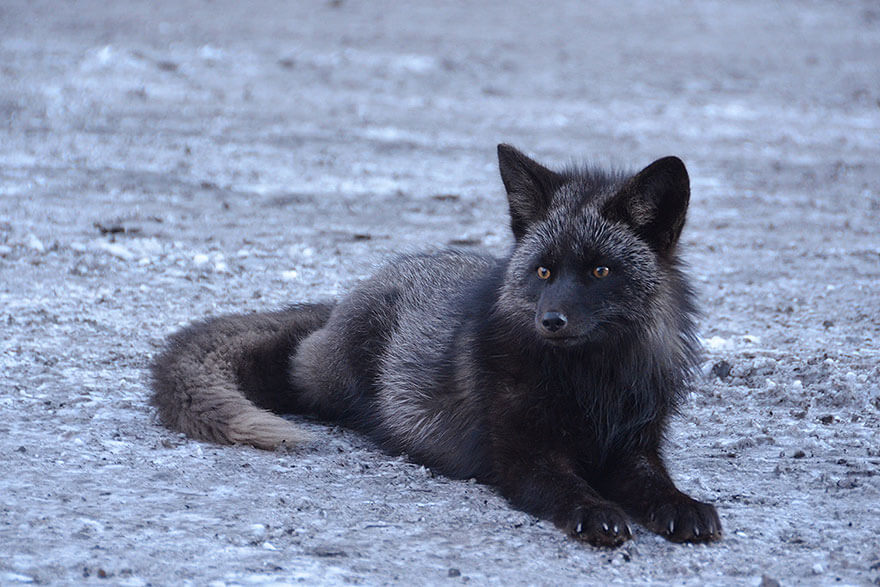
529,186
654,202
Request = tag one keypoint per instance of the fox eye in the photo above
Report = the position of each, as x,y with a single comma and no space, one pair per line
601,271
543,273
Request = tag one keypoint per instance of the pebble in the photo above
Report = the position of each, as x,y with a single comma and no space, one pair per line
5,250
721,369
10,577
258,531
717,343
211,53
36,244
328,551
818,569
765,365
116,250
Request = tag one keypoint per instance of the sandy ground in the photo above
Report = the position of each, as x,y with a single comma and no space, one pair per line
166,161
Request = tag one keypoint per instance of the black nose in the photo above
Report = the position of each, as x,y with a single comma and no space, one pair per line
553,321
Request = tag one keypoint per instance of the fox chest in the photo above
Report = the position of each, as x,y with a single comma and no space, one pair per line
591,424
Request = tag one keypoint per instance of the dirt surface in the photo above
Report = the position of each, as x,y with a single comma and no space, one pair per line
161,162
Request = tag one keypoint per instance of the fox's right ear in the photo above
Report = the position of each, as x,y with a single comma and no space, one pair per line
529,186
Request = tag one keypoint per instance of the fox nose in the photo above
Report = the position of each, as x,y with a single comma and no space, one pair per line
553,321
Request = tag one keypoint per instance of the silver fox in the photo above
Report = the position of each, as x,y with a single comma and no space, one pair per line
549,373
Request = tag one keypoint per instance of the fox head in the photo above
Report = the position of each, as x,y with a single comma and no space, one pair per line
595,252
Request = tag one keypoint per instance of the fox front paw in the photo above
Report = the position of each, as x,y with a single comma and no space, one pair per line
685,520
600,525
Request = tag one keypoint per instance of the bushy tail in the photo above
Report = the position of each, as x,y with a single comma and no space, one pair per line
222,379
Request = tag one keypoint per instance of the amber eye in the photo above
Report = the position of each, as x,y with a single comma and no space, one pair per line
543,273
601,271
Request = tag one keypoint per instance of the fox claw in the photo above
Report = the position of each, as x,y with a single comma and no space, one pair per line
685,520
601,525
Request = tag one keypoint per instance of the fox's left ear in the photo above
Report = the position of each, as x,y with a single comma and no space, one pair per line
654,202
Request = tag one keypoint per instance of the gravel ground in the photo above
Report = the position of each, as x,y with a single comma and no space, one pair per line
161,162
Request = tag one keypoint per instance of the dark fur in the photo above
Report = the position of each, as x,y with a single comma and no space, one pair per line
557,391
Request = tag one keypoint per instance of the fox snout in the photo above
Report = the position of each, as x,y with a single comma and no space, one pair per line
553,321
559,327
557,317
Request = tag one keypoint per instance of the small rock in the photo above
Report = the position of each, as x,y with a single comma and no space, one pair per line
258,531
10,577
211,53
5,250
717,343
454,573
36,244
116,250
109,229
769,582
721,369
799,454
818,569
328,551
764,365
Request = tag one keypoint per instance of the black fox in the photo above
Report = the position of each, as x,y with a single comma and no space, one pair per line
549,373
